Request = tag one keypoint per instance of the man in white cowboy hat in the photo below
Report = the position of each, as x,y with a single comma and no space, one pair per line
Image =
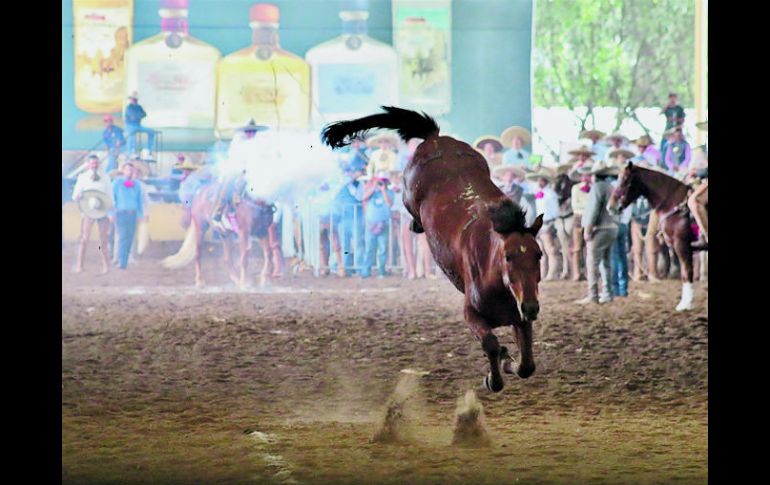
242,156
491,148
616,141
516,138
383,157
133,118
377,199
546,203
129,198
598,144
511,181
93,193
599,231
579,201
647,150
582,156
678,153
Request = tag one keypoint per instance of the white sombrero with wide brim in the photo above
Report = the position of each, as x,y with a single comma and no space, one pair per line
500,170
622,151
543,173
583,150
252,125
143,168
374,140
591,134
603,169
507,136
94,204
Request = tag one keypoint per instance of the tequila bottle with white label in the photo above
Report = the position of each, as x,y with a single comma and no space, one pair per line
103,30
263,81
174,73
352,74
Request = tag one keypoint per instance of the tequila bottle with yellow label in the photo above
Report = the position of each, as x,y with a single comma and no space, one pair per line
353,74
263,81
103,30
174,73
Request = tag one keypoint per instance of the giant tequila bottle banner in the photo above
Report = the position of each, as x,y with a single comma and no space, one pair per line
174,73
103,31
353,74
263,81
422,34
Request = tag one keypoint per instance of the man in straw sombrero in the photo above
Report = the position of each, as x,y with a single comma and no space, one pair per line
579,201
516,138
546,203
616,141
491,147
647,150
511,181
93,194
598,144
129,199
599,231
383,157
190,181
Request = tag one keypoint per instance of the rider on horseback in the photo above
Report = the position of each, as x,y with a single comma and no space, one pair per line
698,201
243,150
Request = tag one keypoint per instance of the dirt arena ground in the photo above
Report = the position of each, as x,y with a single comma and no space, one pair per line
163,383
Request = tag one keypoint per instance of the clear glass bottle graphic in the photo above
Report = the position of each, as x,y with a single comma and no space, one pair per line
174,73
263,81
352,74
103,32
422,37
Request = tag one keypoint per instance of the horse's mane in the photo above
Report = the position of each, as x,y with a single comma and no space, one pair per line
507,217
663,175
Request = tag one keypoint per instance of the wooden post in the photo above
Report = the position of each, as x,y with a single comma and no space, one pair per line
701,61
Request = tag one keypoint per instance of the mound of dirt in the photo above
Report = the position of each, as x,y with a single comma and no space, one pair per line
469,427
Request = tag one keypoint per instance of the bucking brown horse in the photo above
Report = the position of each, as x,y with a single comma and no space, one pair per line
668,197
252,218
477,235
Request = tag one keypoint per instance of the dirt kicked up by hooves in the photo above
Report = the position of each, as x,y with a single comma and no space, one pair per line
396,424
469,428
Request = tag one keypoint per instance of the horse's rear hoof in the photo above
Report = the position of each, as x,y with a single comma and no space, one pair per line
490,384
525,371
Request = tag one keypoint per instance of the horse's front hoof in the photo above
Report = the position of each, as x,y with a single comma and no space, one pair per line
491,385
525,371
683,307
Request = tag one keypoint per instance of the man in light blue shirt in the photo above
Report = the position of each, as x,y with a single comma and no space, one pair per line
129,209
516,138
377,199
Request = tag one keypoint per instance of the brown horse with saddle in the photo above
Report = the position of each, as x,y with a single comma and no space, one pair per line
476,234
250,218
668,197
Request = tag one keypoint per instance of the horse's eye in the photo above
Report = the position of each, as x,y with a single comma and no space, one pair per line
508,258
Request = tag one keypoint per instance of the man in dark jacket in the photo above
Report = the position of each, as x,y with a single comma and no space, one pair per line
133,117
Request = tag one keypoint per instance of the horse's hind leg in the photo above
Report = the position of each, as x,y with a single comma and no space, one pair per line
243,246
228,260
199,233
684,253
483,331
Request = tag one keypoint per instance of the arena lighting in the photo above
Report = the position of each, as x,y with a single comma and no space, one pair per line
286,162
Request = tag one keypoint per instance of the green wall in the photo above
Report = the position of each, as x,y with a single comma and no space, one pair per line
491,44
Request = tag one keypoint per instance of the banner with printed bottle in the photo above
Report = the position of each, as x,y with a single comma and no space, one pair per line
422,34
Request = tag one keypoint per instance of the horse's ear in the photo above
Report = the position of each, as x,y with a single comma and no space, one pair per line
630,164
535,227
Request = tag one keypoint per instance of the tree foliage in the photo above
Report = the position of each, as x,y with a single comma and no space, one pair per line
620,53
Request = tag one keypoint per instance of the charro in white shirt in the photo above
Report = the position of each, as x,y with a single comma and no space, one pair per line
85,182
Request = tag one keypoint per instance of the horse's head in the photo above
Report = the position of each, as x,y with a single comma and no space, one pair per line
628,189
521,254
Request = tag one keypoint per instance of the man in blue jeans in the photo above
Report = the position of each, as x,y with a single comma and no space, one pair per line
114,139
620,248
348,208
129,209
378,199
133,117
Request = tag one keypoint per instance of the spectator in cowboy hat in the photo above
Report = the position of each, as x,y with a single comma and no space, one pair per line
491,147
516,138
348,207
674,117
620,156
128,195
647,150
510,179
546,203
579,201
93,194
114,140
383,157
599,232
133,117
598,144
678,153
616,142
192,178
582,156
377,199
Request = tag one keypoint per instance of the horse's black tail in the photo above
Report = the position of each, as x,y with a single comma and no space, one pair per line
409,124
